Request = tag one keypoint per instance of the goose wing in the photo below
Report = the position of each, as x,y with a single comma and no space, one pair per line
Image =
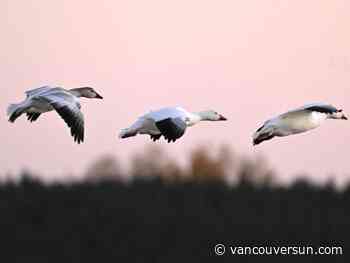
171,128
33,116
68,107
170,112
37,91
307,109
321,107
317,107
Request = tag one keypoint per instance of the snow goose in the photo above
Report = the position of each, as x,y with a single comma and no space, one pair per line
64,102
170,122
297,121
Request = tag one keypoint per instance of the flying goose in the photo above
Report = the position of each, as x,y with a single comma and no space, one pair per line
170,122
297,121
65,102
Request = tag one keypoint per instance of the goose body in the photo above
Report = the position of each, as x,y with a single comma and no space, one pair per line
297,121
170,122
64,102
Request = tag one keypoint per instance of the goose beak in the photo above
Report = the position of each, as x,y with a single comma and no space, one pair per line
98,96
222,118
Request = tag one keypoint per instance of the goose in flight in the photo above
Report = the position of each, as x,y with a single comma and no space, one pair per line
64,102
297,121
170,122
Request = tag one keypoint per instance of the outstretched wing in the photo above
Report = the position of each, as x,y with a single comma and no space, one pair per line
314,107
163,113
171,128
68,107
323,108
37,91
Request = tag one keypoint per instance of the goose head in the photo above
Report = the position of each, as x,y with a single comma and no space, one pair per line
86,92
211,115
339,115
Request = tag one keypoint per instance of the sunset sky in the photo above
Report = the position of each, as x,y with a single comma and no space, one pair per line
248,60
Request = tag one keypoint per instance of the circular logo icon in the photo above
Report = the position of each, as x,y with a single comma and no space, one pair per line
219,249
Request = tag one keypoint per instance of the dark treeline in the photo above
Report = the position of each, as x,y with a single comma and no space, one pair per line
160,211
157,221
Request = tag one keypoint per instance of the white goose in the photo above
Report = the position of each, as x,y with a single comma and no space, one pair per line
170,122
65,102
297,121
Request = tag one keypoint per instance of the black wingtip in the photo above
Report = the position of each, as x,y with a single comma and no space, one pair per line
98,96
78,137
171,129
76,126
33,116
255,142
261,138
155,137
13,117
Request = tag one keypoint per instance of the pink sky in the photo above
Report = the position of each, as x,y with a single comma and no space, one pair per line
249,60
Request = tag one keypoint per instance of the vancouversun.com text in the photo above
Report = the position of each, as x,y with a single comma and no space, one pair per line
221,249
